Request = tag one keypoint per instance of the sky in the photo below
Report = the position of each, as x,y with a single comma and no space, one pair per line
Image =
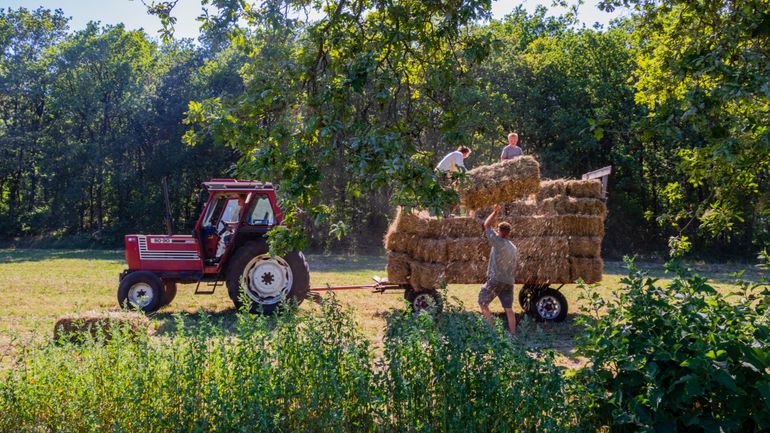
133,13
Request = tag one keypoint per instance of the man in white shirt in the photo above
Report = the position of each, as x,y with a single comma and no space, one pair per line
512,149
453,160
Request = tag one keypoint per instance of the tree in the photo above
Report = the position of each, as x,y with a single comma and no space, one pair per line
25,35
702,72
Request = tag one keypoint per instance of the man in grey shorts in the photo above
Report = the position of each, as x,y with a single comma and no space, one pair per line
501,272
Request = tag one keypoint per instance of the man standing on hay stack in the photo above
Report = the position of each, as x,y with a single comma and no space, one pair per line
500,271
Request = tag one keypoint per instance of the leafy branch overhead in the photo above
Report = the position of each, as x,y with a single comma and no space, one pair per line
372,90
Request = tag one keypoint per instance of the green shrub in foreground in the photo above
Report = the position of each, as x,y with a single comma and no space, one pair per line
293,372
678,357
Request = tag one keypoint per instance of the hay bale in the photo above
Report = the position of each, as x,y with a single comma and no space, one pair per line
590,270
583,206
408,222
77,328
551,188
434,227
501,182
398,267
467,249
466,272
579,225
524,207
402,242
426,275
550,206
584,188
431,250
397,241
552,271
461,227
542,247
585,246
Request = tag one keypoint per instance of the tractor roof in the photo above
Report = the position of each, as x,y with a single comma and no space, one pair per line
237,185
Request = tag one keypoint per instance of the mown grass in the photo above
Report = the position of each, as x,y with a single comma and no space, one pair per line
39,286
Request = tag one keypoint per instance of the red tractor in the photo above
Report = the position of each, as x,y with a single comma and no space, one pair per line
228,245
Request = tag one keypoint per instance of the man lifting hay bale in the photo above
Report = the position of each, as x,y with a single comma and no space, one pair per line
501,271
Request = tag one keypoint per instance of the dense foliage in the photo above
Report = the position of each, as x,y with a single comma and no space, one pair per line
350,104
661,358
679,357
297,372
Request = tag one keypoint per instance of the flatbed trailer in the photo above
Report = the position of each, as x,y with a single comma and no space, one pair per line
541,301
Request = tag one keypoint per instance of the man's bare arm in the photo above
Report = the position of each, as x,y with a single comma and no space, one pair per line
492,217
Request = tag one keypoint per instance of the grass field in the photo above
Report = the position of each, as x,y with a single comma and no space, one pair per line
41,285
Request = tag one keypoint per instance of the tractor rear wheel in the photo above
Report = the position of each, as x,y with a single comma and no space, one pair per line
264,280
169,292
141,290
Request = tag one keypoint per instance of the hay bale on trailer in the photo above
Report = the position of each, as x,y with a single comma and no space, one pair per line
552,270
79,327
584,188
589,269
426,275
501,182
466,272
471,249
398,267
542,247
585,246
551,188
431,250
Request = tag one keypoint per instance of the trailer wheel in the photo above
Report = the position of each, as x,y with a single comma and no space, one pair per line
141,290
428,300
267,280
169,292
548,305
527,294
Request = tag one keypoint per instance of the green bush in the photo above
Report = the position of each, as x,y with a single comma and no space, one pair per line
677,357
293,372
455,373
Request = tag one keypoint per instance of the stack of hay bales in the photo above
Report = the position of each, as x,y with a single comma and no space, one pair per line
558,233
79,327
501,182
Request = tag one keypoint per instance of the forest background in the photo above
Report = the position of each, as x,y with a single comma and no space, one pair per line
350,110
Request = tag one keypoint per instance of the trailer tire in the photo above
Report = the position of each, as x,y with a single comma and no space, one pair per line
426,300
141,290
169,292
253,257
548,305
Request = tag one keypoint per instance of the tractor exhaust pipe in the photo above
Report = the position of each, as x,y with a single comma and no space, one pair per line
169,221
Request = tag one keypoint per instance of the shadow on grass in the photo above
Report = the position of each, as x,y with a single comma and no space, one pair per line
35,255
717,273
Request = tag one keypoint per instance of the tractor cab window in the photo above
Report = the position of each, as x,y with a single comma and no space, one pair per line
213,212
262,212
231,214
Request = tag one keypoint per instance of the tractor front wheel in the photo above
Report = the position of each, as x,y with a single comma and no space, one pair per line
265,280
141,290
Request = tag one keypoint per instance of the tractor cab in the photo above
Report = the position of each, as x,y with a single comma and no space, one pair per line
233,208
228,247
